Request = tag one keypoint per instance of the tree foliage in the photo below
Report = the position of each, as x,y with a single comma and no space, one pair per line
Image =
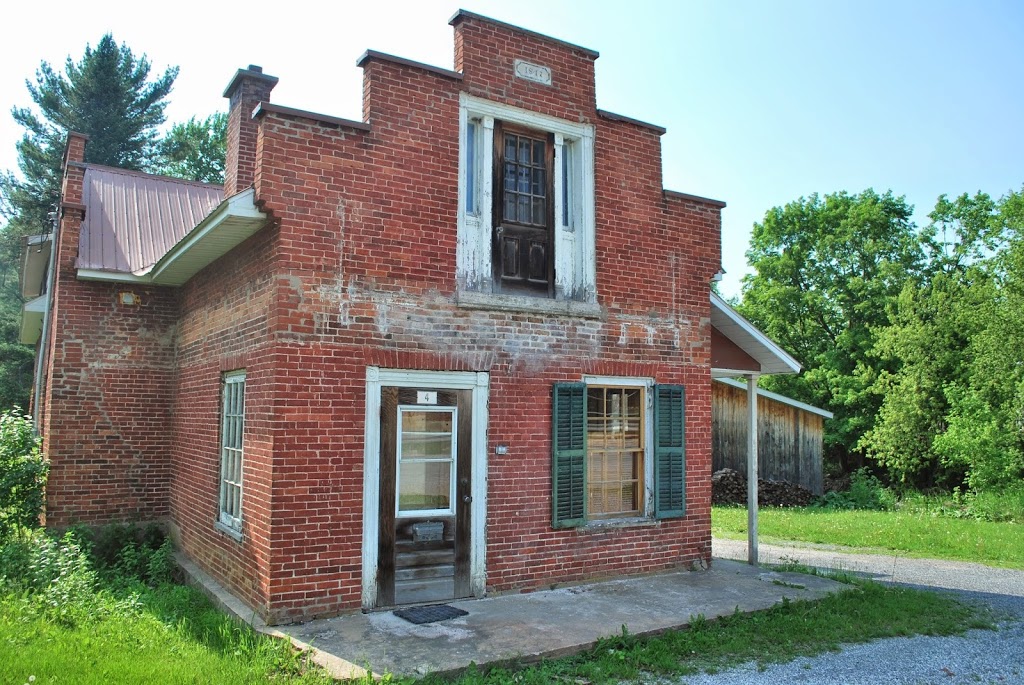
22,476
826,270
107,95
195,149
913,338
930,340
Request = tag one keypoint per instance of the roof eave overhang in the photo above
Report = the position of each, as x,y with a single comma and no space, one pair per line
32,313
732,382
35,258
772,358
231,223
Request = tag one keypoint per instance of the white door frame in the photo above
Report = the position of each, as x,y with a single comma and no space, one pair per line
478,382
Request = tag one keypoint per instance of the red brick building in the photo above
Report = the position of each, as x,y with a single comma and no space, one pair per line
464,345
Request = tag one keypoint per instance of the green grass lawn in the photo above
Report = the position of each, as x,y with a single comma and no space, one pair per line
174,635
915,534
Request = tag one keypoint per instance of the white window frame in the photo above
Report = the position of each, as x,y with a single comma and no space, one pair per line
453,448
647,385
479,383
574,241
232,453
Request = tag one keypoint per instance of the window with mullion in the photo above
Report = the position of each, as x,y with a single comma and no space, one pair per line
615,451
232,429
525,180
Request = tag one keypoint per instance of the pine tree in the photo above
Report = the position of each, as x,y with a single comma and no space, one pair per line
109,97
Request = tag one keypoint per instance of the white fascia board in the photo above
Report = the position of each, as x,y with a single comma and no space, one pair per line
37,304
759,338
112,276
239,206
35,258
32,314
778,398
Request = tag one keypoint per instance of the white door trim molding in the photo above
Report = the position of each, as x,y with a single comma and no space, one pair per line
479,383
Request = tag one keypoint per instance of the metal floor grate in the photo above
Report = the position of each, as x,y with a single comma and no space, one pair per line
429,614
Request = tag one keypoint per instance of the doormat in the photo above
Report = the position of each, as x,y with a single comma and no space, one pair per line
431,614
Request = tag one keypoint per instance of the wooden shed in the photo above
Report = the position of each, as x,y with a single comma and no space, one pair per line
790,434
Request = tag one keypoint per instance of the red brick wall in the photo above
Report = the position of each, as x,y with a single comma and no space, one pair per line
224,325
358,269
367,227
106,399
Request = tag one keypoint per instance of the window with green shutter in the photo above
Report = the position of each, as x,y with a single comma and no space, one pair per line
569,472
669,451
604,434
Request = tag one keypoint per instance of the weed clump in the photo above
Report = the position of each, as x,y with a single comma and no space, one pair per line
866,492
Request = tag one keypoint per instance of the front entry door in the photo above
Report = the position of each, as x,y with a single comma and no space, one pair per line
425,500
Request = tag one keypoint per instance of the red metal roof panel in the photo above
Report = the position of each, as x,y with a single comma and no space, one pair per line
132,219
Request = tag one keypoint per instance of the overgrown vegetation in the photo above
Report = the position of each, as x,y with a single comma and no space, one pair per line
100,606
865,492
22,475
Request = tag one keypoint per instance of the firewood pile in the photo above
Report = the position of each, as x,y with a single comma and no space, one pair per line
730,487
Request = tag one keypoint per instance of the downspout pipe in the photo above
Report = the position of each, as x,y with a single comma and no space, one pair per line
44,339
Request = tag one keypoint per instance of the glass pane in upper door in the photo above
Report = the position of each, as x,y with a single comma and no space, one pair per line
426,461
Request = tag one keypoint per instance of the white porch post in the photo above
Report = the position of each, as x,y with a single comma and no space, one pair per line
752,469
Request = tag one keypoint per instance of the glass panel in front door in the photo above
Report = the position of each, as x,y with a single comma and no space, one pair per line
426,461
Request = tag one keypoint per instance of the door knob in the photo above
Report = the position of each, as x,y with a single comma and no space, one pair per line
467,499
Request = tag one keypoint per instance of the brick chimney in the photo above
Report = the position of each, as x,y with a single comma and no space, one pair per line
71,191
247,89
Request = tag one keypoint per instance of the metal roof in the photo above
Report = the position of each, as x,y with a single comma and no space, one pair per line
778,398
132,219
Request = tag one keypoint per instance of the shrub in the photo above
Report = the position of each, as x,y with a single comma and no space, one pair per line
865,492
126,553
983,439
22,475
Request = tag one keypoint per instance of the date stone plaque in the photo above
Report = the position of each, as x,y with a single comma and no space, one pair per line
533,72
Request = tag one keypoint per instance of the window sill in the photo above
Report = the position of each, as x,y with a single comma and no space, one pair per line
468,299
232,533
601,525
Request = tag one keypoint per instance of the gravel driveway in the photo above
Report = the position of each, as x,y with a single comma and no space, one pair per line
979,656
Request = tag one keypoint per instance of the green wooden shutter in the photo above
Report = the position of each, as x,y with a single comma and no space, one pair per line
669,451
569,455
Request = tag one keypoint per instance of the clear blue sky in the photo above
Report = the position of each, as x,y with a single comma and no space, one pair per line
764,102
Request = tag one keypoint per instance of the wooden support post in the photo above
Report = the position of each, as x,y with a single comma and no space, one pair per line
752,469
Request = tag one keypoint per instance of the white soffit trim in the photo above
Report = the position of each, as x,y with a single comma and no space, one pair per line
772,358
778,398
232,222
32,313
34,260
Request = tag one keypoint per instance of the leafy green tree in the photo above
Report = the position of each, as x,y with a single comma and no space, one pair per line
953,404
195,149
928,341
986,420
826,269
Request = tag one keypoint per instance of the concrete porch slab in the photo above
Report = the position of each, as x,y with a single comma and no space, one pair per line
522,628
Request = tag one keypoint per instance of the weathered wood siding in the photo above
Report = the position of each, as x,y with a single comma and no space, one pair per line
789,443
